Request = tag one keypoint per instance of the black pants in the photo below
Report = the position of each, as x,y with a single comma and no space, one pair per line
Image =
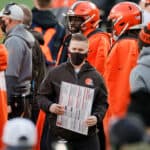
88,143
21,107
102,137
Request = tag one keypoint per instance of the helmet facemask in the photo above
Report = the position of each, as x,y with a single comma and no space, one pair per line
89,23
119,26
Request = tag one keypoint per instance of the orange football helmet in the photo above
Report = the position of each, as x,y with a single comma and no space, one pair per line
144,35
125,16
87,12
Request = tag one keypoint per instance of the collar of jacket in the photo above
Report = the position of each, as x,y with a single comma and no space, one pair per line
130,34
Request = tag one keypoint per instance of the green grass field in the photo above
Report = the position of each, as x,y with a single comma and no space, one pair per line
27,2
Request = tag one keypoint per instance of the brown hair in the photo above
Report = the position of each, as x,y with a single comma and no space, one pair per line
27,14
43,3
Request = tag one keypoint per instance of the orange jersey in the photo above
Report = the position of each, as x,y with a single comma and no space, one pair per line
3,57
3,105
40,126
99,46
3,94
121,60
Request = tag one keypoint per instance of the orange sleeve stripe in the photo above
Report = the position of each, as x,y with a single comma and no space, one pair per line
47,38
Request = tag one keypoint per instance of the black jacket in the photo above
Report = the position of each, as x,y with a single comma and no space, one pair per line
50,89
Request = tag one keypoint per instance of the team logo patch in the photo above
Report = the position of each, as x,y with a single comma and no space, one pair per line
89,81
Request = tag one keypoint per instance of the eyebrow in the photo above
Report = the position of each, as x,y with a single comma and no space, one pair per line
81,50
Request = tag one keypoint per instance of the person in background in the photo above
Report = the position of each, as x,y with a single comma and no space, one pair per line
19,134
3,95
38,60
44,21
60,8
140,80
126,18
53,32
79,72
19,43
84,17
128,133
